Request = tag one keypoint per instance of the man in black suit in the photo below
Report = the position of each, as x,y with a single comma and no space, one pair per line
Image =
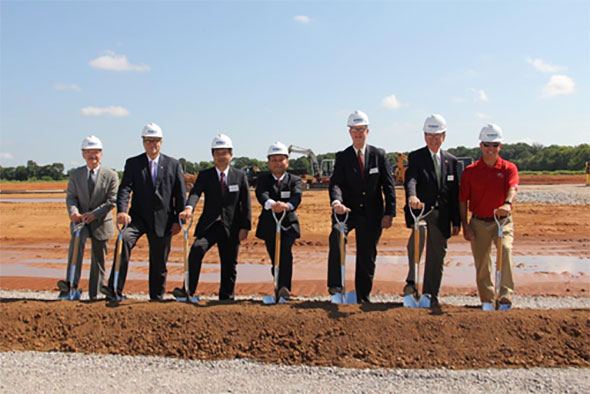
225,221
361,179
278,192
432,179
156,183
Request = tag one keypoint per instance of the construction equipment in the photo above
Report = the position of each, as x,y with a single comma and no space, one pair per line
73,293
189,180
320,172
399,168
113,294
412,300
186,298
501,224
273,299
343,297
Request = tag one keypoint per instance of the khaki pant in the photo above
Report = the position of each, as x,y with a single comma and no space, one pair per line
486,233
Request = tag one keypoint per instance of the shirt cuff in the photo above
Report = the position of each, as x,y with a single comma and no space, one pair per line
336,202
290,206
268,204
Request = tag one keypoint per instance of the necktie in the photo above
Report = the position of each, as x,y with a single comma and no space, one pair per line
279,184
361,165
154,172
222,183
91,183
436,169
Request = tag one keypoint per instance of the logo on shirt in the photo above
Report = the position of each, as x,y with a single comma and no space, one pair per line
500,175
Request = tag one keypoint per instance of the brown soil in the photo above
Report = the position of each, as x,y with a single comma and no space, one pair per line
315,333
383,335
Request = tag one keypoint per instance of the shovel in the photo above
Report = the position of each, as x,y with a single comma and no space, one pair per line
267,299
73,294
113,293
343,297
412,300
501,224
186,298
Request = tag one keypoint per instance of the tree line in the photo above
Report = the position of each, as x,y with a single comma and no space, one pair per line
526,157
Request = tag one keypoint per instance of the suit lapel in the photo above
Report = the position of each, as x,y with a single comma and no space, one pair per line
162,164
443,168
147,174
355,160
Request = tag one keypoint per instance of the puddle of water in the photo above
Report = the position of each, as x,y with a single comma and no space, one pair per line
459,270
31,200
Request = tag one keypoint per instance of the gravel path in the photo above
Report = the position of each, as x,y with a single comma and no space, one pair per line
29,372
532,302
554,194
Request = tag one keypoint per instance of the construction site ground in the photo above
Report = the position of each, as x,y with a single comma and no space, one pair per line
302,331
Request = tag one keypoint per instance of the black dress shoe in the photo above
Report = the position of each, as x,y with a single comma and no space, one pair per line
63,285
179,293
410,289
335,290
108,292
226,297
364,300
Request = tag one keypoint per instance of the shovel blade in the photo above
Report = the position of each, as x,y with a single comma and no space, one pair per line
268,300
344,298
350,297
504,307
74,295
487,307
410,301
336,298
424,301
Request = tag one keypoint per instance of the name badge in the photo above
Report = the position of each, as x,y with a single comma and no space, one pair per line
374,170
450,178
286,194
233,188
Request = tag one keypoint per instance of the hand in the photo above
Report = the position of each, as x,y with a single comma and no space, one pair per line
503,211
279,207
186,214
414,202
123,218
340,209
468,232
456,230
76,218
89,217
386,221
243,234
175,228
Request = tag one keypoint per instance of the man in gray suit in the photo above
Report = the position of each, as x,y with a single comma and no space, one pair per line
90,197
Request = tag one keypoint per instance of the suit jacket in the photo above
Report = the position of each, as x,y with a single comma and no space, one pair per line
289,192
157,206
364,198
100,203
421,182
233,207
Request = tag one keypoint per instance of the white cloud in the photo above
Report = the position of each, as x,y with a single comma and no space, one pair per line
391,102
63,86
558,85
301,19
114,62
116,111
481,115
540,65
6,156
480,95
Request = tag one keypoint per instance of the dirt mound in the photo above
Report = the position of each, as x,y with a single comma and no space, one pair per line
314,333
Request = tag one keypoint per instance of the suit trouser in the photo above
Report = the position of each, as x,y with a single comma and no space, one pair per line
436,250
486,233
286,259
159,251
228,247
366,253
97,271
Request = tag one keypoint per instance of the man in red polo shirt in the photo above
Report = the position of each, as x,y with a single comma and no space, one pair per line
489,183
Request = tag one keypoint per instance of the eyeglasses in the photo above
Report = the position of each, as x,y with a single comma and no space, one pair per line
433,135
151,140
488,144
358,129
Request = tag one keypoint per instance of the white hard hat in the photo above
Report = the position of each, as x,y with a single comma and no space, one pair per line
358,118
91,142
435,124
152,130
278,148
221,141
491,133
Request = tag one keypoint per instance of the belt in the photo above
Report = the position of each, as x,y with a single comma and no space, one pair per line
485,218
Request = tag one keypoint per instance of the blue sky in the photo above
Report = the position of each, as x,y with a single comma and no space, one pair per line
288,71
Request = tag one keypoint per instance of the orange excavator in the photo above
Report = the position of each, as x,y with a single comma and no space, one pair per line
399,168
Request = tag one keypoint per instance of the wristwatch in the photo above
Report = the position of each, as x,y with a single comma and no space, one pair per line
507,202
